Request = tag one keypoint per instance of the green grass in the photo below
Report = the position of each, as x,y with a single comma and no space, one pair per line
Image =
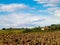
21,31
10,31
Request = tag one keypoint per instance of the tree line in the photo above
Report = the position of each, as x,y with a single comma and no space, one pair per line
52,27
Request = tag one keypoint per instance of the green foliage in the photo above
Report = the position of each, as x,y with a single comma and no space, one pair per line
27,30
3,28
53,27
36,29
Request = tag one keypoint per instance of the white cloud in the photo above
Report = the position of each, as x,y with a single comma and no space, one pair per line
54,9
48,21
18,20
57,13
12,7
48,2
27,19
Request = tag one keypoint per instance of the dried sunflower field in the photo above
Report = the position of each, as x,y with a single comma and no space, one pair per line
33,38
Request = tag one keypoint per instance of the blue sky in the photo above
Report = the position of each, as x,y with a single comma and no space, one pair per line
29,13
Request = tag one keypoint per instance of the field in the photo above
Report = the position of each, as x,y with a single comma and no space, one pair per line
16,37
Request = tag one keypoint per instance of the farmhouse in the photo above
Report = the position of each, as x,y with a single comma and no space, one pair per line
45,28
42,28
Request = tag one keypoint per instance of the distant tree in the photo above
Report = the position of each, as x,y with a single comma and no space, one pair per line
10,28
55,27
3,29
27,30
36,29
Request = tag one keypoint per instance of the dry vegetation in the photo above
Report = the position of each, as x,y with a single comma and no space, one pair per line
33,38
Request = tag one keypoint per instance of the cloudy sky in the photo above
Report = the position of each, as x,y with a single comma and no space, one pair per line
29,13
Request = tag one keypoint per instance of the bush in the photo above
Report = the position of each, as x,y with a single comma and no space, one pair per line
3,28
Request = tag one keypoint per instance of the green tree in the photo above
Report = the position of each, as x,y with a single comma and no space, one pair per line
3,29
